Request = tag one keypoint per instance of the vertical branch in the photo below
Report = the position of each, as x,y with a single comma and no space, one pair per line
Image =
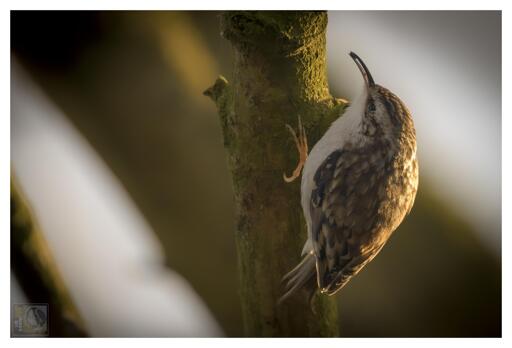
280,73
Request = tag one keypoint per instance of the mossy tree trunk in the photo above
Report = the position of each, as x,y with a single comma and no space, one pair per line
279,74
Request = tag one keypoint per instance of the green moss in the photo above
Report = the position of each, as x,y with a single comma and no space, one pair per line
280,74
222,95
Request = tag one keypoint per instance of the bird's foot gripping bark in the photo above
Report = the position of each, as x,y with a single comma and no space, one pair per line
301,141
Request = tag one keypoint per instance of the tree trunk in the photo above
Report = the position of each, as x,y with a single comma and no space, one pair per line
280,74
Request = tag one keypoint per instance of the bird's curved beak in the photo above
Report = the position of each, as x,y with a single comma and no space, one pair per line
368,79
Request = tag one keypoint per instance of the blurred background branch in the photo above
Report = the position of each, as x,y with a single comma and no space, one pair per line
36,271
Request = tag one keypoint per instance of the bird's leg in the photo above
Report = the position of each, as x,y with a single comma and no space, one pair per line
301,141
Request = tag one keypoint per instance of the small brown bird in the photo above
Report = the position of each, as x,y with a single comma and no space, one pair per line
359,182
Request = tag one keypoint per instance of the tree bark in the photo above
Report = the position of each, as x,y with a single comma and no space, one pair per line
279,74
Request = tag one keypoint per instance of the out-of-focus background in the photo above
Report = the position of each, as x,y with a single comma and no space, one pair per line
128,86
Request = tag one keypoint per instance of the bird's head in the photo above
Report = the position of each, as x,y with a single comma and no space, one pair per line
380,104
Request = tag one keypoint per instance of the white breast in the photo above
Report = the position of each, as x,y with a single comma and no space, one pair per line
343,129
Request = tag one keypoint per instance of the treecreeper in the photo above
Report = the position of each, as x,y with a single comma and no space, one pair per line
358,183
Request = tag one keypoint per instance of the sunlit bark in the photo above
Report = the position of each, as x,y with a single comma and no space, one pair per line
279,74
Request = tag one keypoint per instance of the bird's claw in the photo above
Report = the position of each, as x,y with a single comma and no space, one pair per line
301,141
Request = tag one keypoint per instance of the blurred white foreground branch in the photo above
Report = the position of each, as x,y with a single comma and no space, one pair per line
105,250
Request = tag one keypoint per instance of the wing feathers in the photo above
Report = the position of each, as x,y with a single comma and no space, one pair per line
345,196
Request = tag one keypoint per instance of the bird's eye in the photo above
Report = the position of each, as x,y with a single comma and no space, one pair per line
371,105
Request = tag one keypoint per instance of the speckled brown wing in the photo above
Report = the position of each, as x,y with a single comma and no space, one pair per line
344,207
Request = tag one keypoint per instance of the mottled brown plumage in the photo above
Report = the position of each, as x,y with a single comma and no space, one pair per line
359,182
